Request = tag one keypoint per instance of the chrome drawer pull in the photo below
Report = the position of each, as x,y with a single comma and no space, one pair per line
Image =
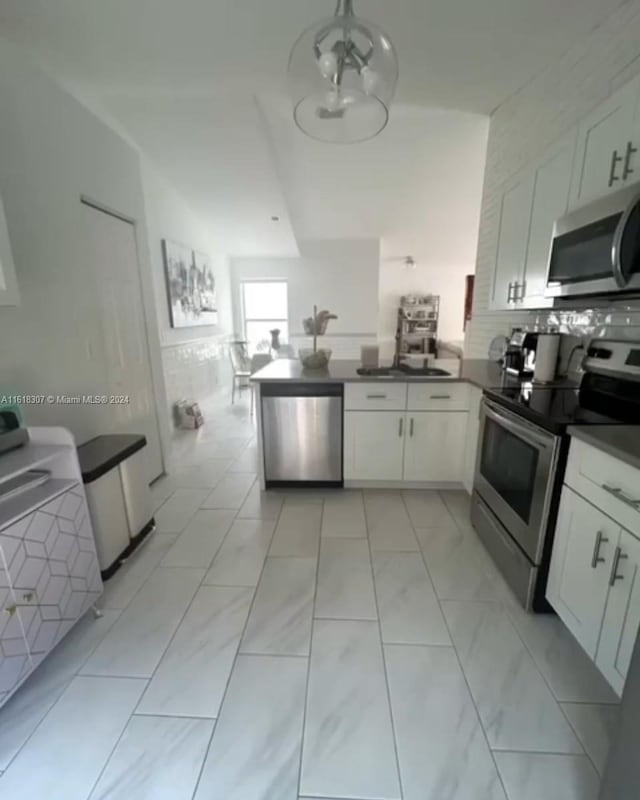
439,397
635,504
597,558
614,569
376,397
400,427
411,427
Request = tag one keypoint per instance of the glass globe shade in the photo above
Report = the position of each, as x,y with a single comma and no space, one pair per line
352,106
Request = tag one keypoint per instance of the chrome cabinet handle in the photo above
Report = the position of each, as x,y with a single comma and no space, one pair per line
400,426
376,397
411,427
523,291
439,397
510,292
619,555
635,504
597,558
628,169
615,160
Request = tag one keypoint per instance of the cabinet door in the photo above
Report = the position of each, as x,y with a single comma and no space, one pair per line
600,152
550,200
373,445
434,450
622,616
583,549
515,215
14,653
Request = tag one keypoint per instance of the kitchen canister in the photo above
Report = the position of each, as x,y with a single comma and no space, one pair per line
546,357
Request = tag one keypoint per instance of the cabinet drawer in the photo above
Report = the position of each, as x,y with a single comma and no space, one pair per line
610,484
375,396
439,396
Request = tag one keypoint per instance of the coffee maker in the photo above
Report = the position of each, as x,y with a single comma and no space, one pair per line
520,357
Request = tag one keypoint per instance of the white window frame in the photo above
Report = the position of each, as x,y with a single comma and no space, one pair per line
277,323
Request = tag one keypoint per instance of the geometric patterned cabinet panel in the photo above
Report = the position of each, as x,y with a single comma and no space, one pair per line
49,578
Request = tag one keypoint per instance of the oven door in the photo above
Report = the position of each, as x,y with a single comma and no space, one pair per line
515,474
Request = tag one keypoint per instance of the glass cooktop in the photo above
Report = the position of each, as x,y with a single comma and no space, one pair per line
554,408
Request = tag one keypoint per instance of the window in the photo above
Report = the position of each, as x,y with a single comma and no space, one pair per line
264,307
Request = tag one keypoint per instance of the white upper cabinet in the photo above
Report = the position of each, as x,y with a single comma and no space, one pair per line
605,160
9,295
552,182
513,236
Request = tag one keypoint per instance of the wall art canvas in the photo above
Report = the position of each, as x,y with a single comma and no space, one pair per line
191,286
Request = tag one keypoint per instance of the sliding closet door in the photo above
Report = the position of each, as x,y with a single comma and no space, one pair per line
113,255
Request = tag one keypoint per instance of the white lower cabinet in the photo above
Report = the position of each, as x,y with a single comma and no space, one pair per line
373,445
580,567
434,448
415,446
622,614
594,584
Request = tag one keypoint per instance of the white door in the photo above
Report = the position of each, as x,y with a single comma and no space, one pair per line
583,549
550,200
601,148
113,254
435,446
622,617
373,445
513,236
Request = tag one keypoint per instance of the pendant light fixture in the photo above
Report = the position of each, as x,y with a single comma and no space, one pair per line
342,76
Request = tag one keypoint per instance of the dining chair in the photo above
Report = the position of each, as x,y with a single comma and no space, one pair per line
241,368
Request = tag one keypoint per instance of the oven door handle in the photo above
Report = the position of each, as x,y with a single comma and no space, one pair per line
518,426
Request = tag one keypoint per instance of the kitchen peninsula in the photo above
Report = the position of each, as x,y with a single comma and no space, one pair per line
346,427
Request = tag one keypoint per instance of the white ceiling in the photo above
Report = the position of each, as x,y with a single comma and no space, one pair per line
182,79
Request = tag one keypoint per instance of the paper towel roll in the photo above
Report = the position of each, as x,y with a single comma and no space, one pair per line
546,357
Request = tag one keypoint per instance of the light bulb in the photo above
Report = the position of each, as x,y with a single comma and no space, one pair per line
328,64
370,80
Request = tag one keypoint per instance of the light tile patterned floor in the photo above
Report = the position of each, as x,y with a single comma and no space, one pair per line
306,644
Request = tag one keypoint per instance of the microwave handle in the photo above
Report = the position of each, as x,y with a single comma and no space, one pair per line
616,249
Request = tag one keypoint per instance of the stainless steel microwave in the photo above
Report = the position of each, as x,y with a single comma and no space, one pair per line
596,249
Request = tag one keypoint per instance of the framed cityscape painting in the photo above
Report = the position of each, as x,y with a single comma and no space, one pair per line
191,286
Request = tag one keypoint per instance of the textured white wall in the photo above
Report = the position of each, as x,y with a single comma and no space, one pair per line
340,275
521,129
53,151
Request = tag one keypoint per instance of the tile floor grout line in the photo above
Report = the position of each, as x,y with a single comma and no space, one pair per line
68,683
384,661
112,751
466,682
306,685
235,661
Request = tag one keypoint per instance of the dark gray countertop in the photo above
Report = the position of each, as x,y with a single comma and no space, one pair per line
619,441
480,372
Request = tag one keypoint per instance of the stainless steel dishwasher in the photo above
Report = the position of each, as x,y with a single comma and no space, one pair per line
302,433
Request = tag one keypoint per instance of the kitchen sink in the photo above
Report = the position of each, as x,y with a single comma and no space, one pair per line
403,371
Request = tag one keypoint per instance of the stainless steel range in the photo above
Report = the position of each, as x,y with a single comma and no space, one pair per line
522,455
